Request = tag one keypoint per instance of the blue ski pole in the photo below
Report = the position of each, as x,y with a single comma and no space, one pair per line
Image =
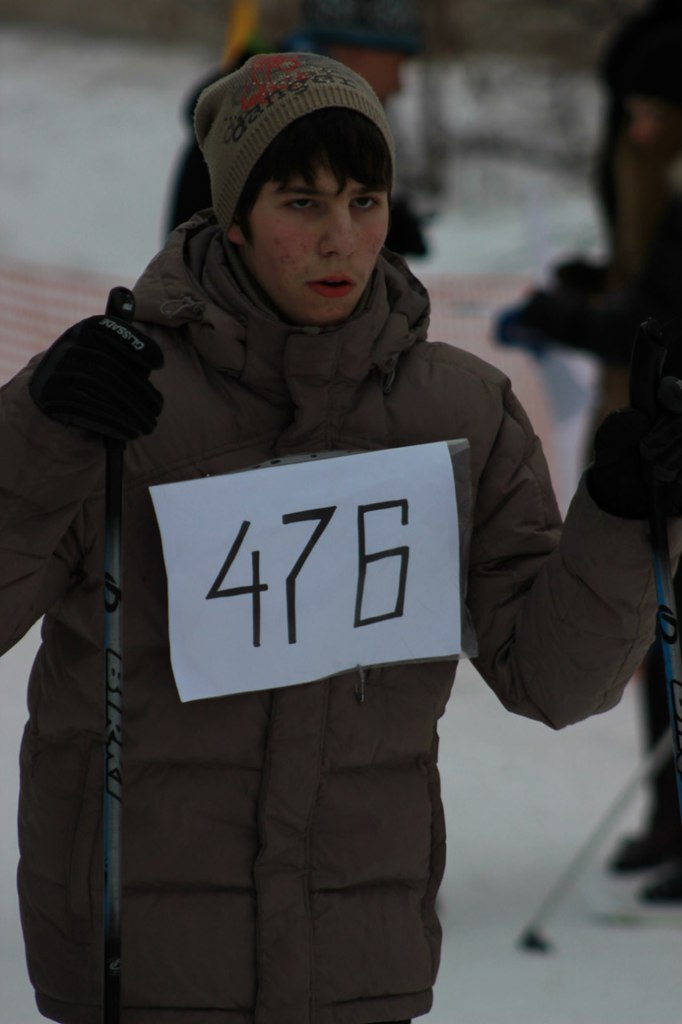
653,393
649,392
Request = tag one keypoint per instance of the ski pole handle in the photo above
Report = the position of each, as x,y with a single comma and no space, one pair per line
646,368
121,304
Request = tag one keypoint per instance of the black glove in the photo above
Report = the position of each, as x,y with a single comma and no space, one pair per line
579,275
96,377
553,313
634,450
405,234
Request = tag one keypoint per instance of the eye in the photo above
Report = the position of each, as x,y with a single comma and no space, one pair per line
304,203
365,202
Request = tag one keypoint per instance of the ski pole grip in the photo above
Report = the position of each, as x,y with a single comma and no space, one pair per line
121,304
646,368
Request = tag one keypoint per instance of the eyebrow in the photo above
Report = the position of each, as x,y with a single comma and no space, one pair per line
310,190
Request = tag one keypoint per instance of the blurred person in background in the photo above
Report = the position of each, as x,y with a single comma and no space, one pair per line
375,38
580,272
597,308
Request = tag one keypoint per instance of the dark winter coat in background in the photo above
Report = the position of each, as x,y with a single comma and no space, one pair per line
282,849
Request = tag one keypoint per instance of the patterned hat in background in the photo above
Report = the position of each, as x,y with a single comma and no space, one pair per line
375,24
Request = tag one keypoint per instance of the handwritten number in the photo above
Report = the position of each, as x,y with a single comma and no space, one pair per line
255,589
403,553
366,559
324,516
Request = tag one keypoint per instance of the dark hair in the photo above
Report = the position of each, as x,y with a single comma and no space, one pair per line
342,140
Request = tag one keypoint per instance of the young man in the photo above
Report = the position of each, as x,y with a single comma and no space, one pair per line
282,848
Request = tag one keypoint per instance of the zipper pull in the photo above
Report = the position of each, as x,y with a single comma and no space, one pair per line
360,685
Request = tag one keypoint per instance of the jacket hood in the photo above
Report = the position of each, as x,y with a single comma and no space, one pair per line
190,284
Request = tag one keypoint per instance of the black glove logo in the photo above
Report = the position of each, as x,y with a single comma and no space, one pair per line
127,335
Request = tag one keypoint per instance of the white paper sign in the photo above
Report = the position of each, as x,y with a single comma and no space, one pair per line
290,573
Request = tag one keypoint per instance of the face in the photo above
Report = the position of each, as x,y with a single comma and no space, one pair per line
381,68
646,119
313,249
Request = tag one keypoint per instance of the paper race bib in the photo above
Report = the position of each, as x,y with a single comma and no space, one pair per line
298,571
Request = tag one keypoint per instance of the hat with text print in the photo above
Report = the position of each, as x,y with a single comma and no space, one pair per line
237,117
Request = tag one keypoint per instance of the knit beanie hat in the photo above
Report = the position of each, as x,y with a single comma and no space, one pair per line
237,117
376,24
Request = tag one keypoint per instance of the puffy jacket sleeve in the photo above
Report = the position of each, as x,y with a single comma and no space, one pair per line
46,471
563,617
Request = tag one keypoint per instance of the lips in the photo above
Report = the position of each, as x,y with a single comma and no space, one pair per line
332,287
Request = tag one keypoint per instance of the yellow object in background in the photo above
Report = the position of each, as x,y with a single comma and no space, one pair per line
242,27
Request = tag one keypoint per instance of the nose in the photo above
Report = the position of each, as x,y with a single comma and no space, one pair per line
338,234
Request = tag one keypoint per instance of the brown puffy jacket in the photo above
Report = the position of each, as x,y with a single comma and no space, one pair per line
282,849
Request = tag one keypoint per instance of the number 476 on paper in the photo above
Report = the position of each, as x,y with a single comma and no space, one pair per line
293,573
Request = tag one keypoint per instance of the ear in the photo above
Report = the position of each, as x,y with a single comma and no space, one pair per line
235,234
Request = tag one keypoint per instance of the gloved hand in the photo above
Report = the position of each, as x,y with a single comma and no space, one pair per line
405,233
511,329
96,377
580,275
554,313
633,450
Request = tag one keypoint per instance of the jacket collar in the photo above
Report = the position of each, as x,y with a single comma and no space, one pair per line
192,285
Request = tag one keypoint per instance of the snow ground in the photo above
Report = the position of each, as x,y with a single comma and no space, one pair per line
89,133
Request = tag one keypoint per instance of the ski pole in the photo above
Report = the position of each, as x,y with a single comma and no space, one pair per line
533,936
667,627
647,390
652,393
121,304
